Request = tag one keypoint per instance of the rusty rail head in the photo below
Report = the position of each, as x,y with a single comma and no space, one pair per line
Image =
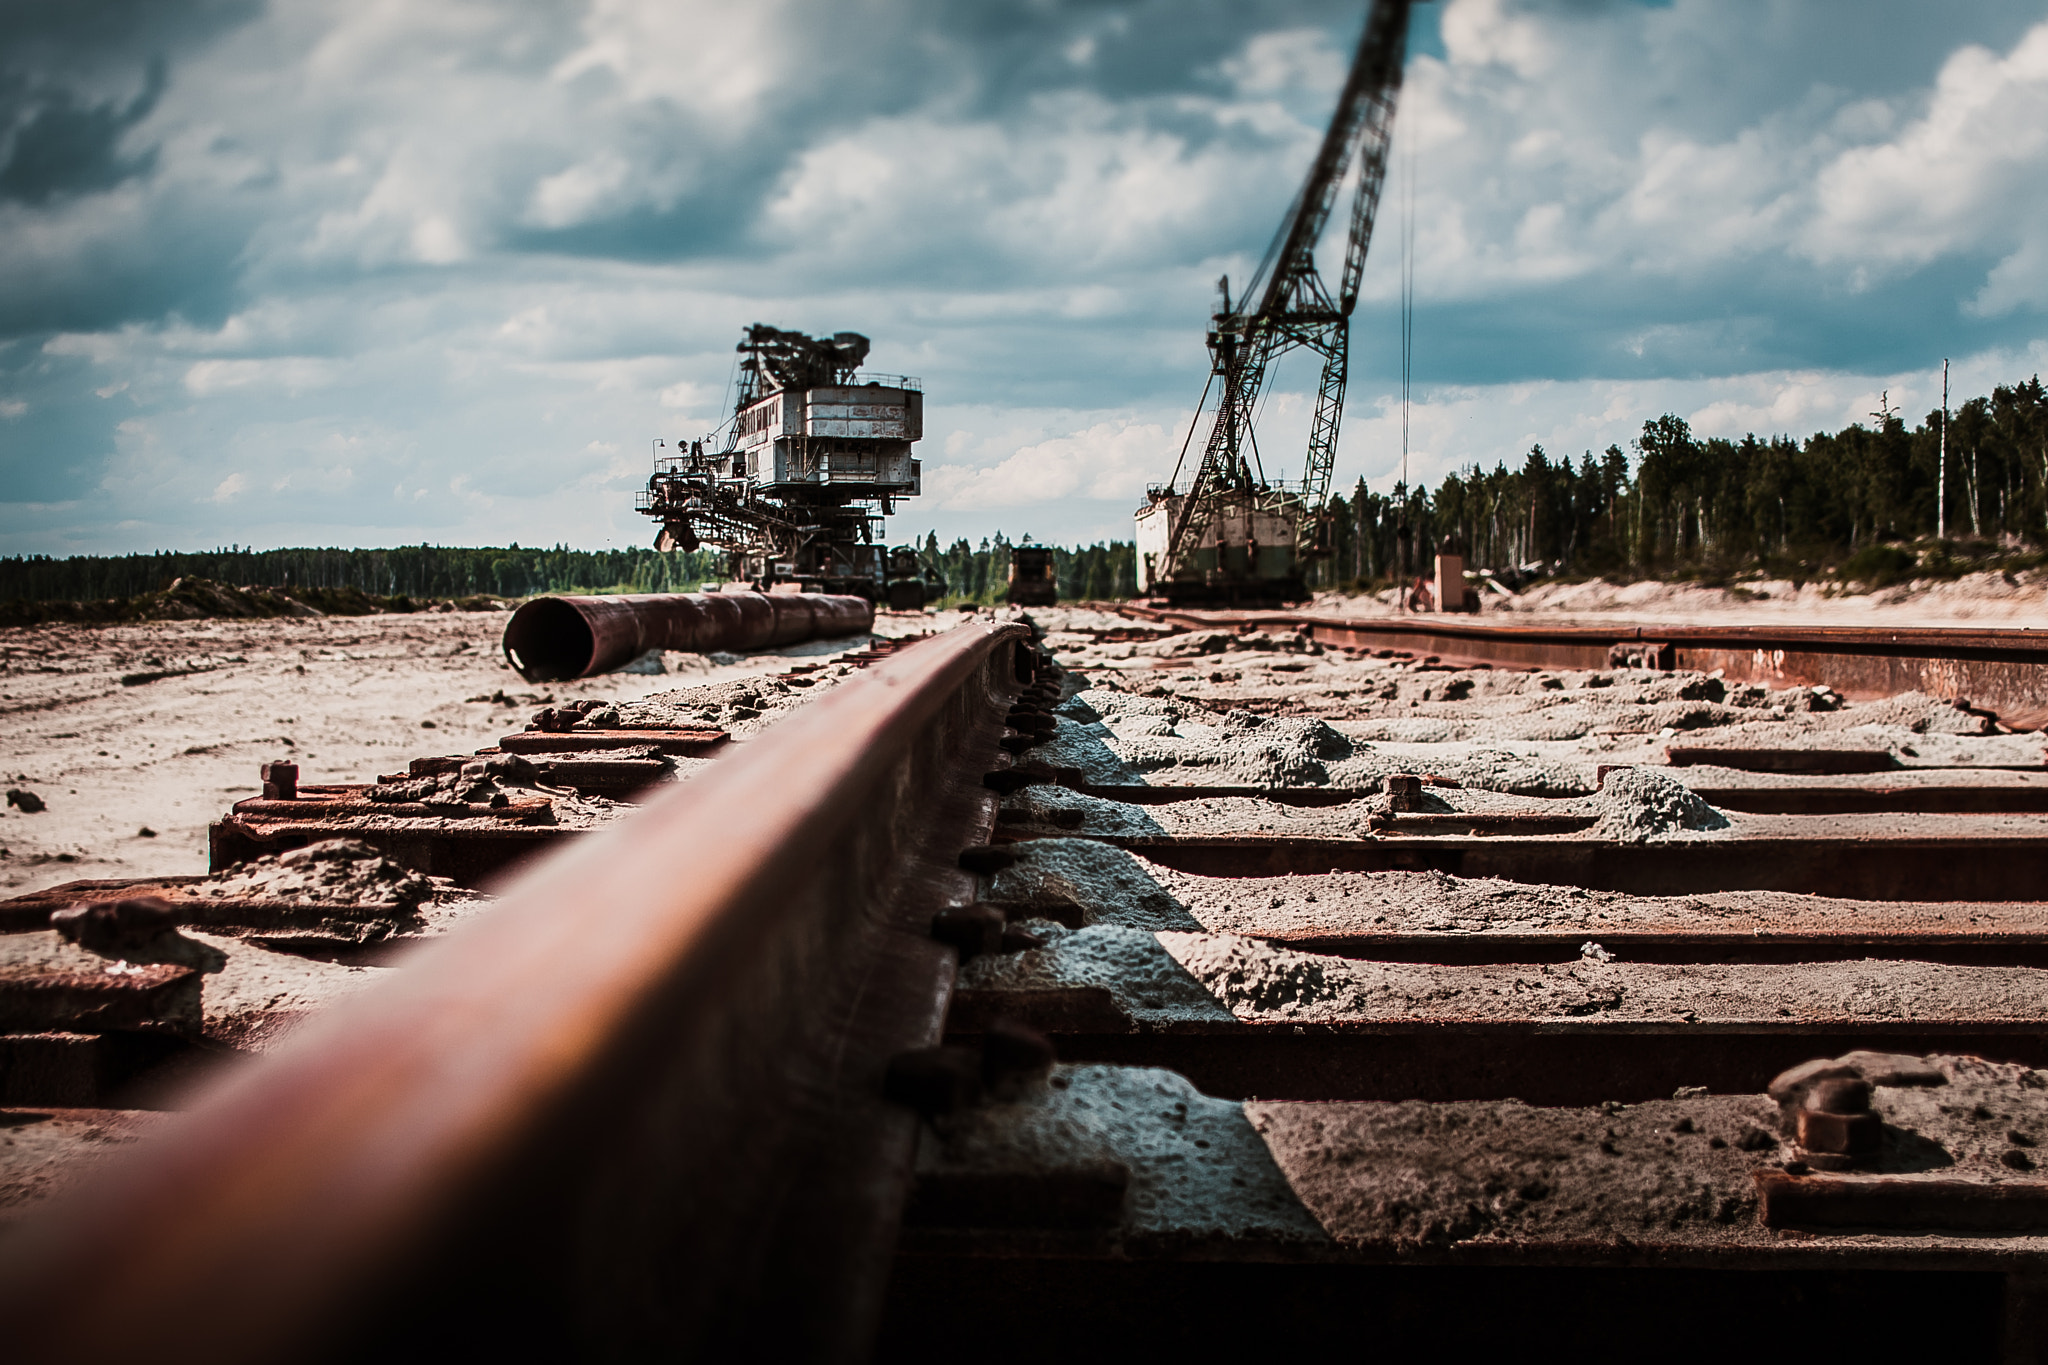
592,1107
550,639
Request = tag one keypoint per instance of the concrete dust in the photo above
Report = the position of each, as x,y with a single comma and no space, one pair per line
1196,1168
260,996
1663,1172
335,872
1262,982
1417,1174
1081,881
44,1149
1642,805
1143,979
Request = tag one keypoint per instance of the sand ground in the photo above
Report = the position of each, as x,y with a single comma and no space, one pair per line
1995,600
350,698
347,698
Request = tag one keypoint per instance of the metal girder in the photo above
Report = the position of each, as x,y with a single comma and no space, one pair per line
1294,307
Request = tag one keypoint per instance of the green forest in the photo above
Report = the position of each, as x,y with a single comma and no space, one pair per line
440,571
1865,501
407,571
1675,505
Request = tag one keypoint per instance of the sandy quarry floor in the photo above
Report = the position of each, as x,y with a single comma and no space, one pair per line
1984,599
350,698
347,698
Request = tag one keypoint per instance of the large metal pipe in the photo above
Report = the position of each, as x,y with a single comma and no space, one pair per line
553,638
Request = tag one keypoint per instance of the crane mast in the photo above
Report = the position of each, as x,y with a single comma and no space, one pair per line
1236,536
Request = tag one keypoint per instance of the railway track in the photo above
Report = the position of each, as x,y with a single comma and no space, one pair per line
1119,985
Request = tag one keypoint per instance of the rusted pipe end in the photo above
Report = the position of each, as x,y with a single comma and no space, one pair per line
548,640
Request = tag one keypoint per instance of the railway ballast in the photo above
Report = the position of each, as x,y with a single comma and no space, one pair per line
1186,983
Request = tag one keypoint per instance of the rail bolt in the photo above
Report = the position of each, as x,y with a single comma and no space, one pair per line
1017,742
1836,1119
986,859
1021,940
1013,1049
935,1080
971,929
280,781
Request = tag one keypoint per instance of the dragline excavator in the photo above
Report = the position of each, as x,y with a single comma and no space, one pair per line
1234,537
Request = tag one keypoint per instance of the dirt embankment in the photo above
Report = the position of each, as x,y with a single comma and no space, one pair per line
1990,599
195,599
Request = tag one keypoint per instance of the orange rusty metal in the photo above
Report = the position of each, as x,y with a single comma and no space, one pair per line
2004,672
636,1106
553,638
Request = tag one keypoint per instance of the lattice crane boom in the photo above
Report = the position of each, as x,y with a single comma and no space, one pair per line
1291,307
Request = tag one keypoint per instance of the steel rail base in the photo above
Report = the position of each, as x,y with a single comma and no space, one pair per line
635,1110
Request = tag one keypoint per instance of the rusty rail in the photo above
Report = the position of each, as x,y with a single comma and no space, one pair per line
636,1108
2004,672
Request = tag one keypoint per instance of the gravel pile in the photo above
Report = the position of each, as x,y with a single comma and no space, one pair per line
1639,805
344,873
742,705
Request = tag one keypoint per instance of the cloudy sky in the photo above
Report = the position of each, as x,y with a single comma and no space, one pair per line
381,271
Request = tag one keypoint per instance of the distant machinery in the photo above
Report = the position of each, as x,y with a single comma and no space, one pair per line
815,457
1234,536
1034,579
912,583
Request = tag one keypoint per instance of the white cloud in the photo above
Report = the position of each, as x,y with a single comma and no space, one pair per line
1968,173
229,488
515,244
579,193
1108,461
278,374
716,58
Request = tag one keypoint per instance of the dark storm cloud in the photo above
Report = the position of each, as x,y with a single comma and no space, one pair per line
60,146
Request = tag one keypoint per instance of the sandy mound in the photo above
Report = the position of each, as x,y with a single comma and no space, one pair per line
1638,805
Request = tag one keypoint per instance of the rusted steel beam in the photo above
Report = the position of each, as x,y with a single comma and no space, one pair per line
553,638
470,852
1831,762
2004,672
1975,863
1837,1202
684,743
635,1109
1439,1063
1958,798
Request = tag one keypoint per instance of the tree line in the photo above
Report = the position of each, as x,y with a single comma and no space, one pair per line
407,570
971,574
1673,503
1676,503
981,575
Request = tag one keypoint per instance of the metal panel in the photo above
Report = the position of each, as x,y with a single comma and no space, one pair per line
875,414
